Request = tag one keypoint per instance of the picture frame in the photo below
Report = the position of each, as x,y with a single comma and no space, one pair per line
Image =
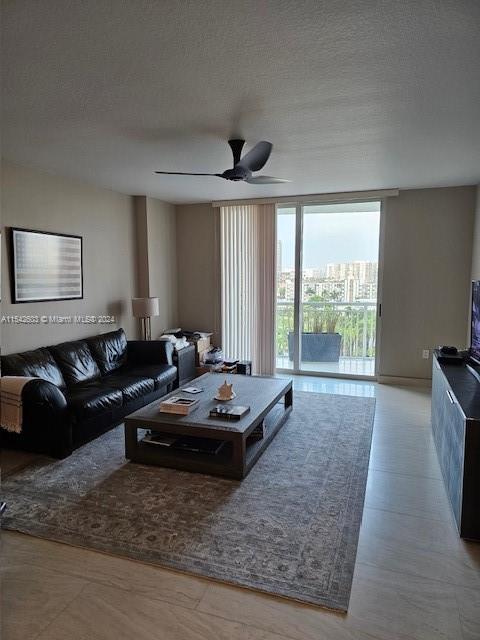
45,266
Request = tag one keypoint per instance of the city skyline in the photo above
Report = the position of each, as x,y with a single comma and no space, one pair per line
341,237
339,281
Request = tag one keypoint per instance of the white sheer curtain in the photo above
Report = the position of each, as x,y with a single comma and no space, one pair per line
248,270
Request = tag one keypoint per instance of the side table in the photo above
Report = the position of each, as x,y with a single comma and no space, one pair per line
184,360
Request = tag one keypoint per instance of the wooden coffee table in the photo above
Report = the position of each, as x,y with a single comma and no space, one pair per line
270,400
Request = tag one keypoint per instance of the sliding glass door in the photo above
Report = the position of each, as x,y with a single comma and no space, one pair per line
327,282
286,283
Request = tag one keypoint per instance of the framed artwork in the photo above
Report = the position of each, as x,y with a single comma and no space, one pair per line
45,266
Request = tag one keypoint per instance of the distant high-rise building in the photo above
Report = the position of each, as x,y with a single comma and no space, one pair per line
346,282
360,270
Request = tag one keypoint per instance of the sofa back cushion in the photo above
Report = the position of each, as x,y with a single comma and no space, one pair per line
38,363
75,361
109,350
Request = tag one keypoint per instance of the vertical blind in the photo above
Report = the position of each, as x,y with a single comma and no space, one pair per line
247,241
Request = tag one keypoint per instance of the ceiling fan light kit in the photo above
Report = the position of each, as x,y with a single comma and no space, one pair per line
243,167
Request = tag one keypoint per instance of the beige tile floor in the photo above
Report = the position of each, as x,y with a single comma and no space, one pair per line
414,578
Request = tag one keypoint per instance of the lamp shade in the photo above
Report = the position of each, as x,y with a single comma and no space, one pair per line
145,307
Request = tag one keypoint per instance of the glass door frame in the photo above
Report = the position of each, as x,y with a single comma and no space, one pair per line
297,303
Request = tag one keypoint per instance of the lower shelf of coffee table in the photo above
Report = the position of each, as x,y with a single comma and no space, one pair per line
221,463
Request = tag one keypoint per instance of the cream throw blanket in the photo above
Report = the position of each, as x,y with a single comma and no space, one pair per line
11,401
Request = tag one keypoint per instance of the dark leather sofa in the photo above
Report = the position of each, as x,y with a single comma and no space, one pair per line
86,388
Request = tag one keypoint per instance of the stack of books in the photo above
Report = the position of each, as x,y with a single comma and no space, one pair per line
184,443
178,405
229,412
199,445
160,439
229,366
258,432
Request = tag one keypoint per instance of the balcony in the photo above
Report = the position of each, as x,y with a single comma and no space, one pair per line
356,324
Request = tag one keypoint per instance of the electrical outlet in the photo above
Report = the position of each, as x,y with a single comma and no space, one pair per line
426,354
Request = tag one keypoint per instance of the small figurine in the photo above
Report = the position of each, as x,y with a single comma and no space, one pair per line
225,392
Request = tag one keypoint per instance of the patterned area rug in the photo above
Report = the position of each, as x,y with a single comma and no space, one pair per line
290,528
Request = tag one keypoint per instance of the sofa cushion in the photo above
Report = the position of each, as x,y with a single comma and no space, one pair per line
88,399
131,386
109,350
161,374
39,363
75,361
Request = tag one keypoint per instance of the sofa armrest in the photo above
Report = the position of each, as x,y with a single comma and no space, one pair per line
149,352
184,360
47,423
44,395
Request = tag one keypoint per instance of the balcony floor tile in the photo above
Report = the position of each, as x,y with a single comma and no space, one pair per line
346,366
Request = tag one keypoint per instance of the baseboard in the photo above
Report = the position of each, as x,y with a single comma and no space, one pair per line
410,382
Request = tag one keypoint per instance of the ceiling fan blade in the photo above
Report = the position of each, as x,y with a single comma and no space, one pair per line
265,180
257,157
184,173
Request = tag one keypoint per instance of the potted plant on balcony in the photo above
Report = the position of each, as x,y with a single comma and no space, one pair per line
323,343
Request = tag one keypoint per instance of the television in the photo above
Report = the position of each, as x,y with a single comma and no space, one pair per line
474,351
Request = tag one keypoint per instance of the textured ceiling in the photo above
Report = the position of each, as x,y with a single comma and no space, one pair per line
354,95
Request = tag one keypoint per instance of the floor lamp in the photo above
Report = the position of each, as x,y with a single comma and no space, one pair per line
145,308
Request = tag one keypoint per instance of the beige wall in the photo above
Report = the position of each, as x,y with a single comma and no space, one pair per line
105,219
144,246
427,261
141,245
426,276
198,263
476,240
162,262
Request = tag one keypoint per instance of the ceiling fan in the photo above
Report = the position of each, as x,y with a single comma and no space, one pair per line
243,168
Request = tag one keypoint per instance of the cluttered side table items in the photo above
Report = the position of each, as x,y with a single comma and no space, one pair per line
208,358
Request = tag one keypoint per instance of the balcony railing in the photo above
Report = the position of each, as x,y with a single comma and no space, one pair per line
355,322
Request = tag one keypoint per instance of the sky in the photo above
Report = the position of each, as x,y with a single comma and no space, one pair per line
330,237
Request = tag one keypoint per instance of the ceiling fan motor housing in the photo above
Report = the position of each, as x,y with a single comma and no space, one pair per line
237,174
